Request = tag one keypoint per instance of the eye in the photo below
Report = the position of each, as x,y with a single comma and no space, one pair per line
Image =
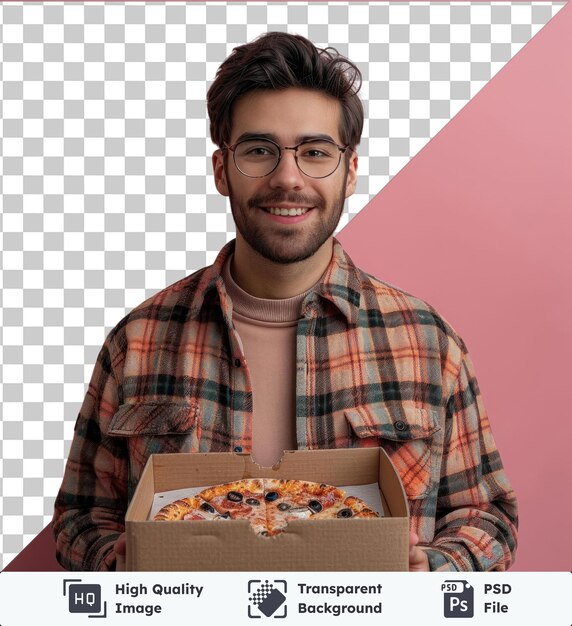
316,154
259,151
317,150
256,149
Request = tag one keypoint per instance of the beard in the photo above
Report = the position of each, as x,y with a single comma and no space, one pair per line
284,244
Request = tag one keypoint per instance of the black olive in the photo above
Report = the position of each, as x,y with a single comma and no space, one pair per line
252,501
225,516
344,513
205,506
234,496
271,496
264,533
314,506
283,506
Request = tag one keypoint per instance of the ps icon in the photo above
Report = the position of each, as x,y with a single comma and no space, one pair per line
458,598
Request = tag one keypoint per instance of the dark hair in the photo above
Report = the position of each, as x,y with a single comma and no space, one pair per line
279,60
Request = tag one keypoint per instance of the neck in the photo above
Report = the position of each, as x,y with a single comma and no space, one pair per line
265,279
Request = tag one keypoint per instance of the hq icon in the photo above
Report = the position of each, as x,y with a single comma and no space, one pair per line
458,598
84,598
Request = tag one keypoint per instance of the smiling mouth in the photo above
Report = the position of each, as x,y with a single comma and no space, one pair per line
286,212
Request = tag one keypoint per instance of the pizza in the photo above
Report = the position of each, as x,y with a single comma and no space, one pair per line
296,499
267,503
243,499
190,508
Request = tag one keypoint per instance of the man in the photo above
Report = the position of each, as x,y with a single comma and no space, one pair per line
283,343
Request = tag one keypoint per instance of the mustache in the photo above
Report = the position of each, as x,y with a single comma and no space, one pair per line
277,197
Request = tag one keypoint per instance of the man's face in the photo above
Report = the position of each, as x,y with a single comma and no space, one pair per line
288,117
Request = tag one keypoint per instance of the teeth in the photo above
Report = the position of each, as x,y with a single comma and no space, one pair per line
287,212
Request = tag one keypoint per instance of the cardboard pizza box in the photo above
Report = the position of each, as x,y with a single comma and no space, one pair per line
373,544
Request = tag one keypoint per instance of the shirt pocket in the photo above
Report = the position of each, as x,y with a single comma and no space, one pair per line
407,433
155,428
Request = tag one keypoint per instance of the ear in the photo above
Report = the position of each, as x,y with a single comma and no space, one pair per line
351,180
219,172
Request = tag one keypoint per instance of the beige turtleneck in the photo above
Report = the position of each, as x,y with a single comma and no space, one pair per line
267,329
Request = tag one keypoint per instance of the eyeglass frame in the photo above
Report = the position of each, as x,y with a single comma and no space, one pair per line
342,150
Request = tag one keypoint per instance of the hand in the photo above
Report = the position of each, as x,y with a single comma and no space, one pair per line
418,561
120,549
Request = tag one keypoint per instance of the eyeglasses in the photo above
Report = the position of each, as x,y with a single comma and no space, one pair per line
316,158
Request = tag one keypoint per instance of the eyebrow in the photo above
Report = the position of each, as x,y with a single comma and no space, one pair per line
297,140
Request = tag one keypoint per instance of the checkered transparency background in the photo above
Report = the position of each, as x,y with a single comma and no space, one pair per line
106,188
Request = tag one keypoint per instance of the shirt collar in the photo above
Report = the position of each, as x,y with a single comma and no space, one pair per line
340,284
211,279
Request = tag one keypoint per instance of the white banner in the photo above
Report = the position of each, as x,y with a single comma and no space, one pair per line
315,598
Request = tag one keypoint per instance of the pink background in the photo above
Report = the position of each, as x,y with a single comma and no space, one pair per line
479,224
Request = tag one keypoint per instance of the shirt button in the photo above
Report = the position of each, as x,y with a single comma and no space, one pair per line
238,448
237,362
401,426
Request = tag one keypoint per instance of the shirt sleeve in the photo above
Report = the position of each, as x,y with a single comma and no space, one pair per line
91,504
476,520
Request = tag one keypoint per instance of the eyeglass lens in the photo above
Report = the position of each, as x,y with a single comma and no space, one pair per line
258,157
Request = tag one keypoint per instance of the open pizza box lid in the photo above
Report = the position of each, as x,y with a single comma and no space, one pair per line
372,544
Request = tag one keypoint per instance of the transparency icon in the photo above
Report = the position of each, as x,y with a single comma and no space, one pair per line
267,597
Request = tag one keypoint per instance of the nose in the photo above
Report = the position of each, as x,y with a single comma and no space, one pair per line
287,175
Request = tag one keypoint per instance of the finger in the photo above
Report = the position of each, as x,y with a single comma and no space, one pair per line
121,544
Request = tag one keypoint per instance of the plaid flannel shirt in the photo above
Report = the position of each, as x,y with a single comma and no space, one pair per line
374,367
